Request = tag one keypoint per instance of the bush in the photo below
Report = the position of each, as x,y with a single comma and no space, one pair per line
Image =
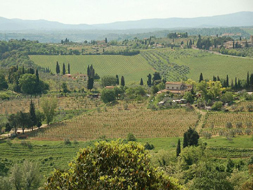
67,142
131,137
217,106
229,125
148,146
111,165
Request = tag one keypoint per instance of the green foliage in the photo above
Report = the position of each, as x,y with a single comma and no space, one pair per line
65,88
227,97
148,146
48,106
111,166
108,81
189,97
217,105
108,95
191,138
131,137
3,82
4,96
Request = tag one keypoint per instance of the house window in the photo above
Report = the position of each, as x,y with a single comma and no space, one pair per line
168,87
177,88
172,87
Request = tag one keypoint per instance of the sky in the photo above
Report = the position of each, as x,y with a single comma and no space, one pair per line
107,11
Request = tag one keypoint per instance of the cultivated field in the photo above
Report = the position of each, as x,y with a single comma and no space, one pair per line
133,68
117,123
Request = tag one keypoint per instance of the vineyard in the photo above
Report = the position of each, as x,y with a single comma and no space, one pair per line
133,68
239,123
116,123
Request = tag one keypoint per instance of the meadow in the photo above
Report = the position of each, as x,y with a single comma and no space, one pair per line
133,68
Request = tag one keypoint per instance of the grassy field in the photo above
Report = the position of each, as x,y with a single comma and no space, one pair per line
133,68
249,30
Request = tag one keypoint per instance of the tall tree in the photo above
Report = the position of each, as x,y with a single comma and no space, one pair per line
63,69
141,82
122,82
48,106
117,79
191,138
251,81
149,80
32,114
68,68
57,68
91,74
200,77
37,77
248,81
214,78
178,147
227,81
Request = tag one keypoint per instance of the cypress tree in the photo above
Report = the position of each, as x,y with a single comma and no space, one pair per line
88,71
37,76
122,82
91,74
32,114
248,81
63,69
200,77
251,80
227,82
117,79
232,84
68,68
214,78
218,78
57,68
236,83
141,82
23,70
149,80
178,147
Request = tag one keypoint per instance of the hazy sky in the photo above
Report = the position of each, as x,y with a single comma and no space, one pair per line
105,11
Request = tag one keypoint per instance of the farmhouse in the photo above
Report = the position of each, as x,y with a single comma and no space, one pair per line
177,87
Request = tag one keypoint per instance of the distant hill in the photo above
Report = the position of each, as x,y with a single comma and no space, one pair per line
229,20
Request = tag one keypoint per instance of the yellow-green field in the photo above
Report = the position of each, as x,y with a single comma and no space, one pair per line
133,68
115,123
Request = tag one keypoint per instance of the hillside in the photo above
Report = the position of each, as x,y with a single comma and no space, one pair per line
234,19
133,68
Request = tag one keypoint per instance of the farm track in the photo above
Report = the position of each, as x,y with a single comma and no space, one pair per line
201,119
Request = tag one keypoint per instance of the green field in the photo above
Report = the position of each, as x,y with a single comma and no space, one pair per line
133,68
249,30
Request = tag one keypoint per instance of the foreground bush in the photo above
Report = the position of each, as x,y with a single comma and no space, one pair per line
111,165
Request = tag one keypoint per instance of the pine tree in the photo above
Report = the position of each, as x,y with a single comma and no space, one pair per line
68,68
63,69
141,82
200,77
117,79
227,82
32,114
178,147
122,82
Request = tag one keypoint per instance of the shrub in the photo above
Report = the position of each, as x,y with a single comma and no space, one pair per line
249,124
248,131
250,107
111,165
67,142
217,105
239,125
131,137
148,146
229,125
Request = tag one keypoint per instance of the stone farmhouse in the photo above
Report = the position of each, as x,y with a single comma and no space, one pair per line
176,88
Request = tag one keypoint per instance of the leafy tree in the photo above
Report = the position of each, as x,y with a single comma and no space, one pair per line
28,83
39,117
227,97
122,82
48,106
191,138
189,97
131,137
63,69
141,82
26,176
108,95
24,120
156,78
65,88
201,77
217,105
32,114
111,165
178,147
3,82
13,122
108,81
